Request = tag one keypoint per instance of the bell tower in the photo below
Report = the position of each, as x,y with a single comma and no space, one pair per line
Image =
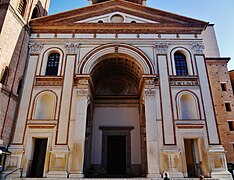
15,16
142,2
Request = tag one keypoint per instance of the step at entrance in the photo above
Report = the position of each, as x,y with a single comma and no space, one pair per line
109,179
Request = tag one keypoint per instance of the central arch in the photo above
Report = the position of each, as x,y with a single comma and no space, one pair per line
117,119
91,58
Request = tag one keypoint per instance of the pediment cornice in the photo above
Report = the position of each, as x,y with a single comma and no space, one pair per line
165,20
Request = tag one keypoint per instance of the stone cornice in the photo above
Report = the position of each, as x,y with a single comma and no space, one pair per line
118,6
118,28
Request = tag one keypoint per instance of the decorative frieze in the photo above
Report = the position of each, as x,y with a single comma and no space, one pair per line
174,81
72,48
161,48
49,81
198,47
35,48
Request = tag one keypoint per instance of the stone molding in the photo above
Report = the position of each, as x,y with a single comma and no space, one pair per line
35,48
48,81
198,47
72,48
161,48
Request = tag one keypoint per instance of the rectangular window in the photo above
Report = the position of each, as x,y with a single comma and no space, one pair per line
231,125
228,107
224,86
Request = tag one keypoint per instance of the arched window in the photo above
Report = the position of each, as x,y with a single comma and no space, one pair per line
52,64
180,64
4,75
35,13
188,107
45,106
22,7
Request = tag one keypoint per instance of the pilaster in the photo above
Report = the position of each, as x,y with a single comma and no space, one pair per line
218,163
35,50
13,161
64,117
165,92
151,128
58,162
78,149
172,161
206,94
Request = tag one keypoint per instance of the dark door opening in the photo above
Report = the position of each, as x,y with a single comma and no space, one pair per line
116,155
38,158
190,157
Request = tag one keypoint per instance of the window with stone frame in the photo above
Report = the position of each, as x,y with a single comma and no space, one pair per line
223,86
52,64
35,13
180,64
22,7
231,125
228,106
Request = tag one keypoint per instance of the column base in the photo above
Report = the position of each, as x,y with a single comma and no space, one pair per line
154,175
175,174
57,174
223,175
76,175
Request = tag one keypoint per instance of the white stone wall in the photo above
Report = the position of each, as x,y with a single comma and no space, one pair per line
116,117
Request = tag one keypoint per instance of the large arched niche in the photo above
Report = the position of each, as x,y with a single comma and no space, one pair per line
116,74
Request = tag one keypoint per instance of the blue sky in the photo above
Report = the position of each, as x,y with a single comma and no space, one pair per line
216,12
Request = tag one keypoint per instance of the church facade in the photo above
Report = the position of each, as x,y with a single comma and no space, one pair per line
118,89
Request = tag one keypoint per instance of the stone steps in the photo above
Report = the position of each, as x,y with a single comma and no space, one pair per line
108,179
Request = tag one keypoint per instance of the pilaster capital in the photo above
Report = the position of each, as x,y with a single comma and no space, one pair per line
35,48
150,92
72,48
198,47
83,92
161,47
150,81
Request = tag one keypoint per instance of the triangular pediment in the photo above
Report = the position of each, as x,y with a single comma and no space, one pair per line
143,16
107,18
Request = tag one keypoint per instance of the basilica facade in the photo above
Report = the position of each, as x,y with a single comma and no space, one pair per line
118,89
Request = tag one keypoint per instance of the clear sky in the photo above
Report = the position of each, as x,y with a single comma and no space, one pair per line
218,12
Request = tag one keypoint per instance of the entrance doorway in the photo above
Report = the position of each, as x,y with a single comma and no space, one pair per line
38,161
192,159
116,155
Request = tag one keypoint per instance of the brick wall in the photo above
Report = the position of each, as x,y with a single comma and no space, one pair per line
218,73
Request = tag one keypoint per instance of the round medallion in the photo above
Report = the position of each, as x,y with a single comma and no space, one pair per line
117,86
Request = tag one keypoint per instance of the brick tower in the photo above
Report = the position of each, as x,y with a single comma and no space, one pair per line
15,16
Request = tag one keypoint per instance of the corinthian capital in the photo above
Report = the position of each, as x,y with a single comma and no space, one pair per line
35,48
198,47
161,48
72,48
82,92
150,92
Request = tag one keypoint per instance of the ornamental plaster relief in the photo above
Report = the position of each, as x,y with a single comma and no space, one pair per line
150,92
35,48
72,48
198,48
161,48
